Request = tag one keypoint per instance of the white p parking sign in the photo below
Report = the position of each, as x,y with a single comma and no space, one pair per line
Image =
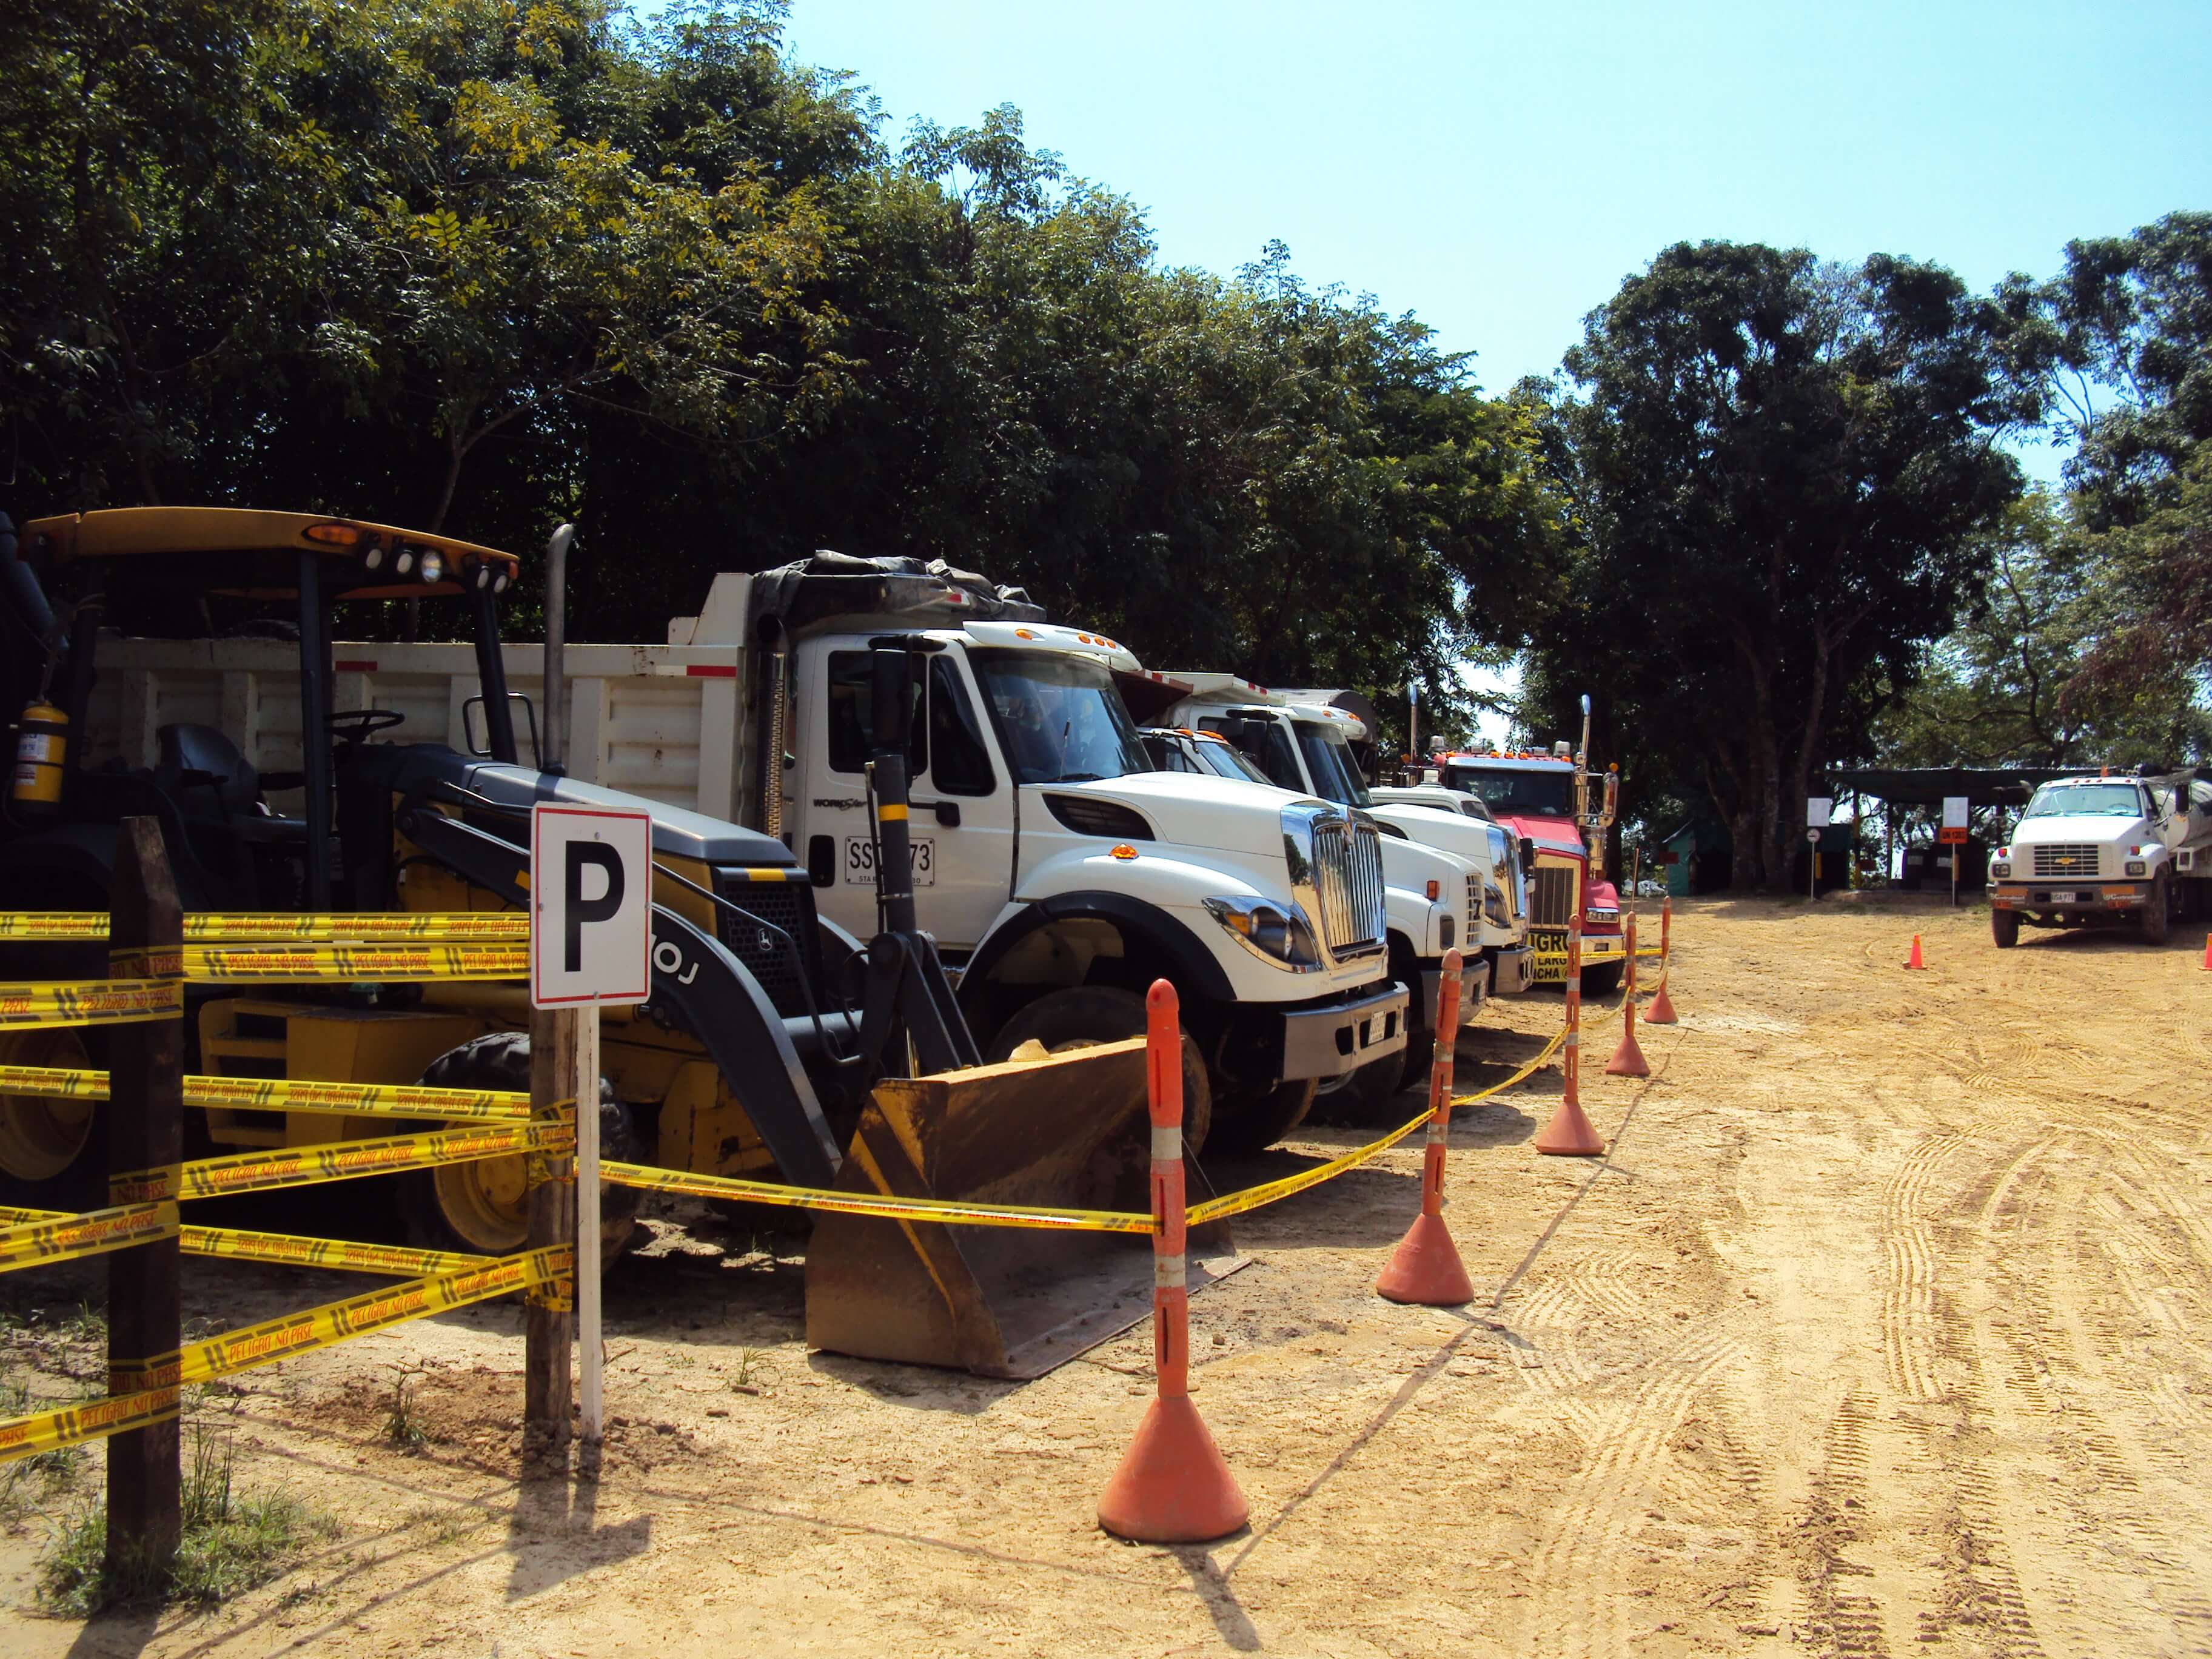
591,900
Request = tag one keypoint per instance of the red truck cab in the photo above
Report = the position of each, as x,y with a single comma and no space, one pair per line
1535,796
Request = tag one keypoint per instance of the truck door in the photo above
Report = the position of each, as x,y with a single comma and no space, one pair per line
962,824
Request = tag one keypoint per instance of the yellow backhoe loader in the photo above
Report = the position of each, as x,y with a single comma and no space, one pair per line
773,1045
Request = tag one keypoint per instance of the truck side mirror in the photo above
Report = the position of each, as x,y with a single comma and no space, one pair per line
1528,852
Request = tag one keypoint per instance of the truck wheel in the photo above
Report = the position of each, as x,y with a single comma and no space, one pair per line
1084,1016
1360,1098
1420,1051
52,1156
1602,980
2004,928
2157,915
1252,1119
482,1208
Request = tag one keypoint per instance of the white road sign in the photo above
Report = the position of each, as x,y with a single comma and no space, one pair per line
1819,809
591,897
1954,811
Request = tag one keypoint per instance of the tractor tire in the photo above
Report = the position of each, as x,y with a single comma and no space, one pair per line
1084,1016
1252,1120
478,1208
53,1153
1602,980
2157,915
2004,928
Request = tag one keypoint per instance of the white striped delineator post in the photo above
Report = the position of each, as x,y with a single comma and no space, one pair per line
1173,1485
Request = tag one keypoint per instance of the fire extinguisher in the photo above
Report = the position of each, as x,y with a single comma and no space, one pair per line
42,747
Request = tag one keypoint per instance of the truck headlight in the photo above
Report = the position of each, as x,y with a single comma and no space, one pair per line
1267,930
2135,867
1599,914
2000,868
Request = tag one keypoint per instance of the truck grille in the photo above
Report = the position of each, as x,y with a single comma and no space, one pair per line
2066,858
1474,934
789,905
1553,902
1348,884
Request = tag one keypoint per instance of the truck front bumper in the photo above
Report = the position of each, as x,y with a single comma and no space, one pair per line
1474,990
1550,945
1512,970
1332,1038
2071,901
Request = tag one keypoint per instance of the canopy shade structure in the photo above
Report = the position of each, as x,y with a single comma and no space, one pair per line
1930,786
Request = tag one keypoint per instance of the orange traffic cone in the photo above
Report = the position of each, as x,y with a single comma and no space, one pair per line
2207,953
1425,1267
1173,1485
1568,1134
1914,960
1662,1011
1628,1059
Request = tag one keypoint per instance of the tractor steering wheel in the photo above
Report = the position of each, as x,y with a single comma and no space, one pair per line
353,726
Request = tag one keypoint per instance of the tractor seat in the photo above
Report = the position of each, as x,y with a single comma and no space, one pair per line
211,781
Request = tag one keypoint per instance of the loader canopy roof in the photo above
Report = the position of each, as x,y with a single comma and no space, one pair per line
254,554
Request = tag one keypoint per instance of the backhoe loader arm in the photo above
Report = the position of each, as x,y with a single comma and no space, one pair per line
696,981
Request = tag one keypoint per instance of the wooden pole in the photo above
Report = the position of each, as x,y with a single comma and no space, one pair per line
549,1318
145,1119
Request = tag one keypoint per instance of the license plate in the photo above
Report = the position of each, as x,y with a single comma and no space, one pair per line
860,861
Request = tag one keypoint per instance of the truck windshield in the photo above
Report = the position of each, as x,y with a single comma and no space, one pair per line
1058,716
2085,800
1328,759
1549,794
1226,760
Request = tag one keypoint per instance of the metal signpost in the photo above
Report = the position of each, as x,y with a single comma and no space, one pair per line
1954,835
591,945
1819,809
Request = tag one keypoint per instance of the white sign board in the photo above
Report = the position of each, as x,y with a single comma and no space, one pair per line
1954,811
591,902
1819,809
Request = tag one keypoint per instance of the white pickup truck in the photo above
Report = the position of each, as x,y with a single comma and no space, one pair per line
1060,873
2091,851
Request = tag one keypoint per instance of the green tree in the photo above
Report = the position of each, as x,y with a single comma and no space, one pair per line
1779,469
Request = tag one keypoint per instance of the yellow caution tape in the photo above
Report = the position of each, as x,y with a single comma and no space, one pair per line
26,1437
288,1249
945,1209
62,1238
348,1160
370,927
1274,1192
308,964
277,1339
90,1002
254,1094
12,1217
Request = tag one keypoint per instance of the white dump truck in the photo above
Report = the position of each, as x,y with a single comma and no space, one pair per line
1435,901
1310,746
2107,851
1058,872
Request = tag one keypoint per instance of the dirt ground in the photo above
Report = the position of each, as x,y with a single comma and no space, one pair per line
1881,1329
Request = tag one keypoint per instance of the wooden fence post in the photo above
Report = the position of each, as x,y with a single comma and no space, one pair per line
549,1319
145,1131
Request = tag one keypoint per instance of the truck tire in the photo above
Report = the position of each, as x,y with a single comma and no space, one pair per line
2157,915
1084,1016
1602,980
1361,1098
477,1208
2004,928
1251,1120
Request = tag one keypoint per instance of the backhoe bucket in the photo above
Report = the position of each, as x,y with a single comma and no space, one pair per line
1068,1131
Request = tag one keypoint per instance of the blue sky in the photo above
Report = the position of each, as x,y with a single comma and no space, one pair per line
1497,170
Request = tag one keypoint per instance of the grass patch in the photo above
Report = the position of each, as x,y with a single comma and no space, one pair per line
232,1543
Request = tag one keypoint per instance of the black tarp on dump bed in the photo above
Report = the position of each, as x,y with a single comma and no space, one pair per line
910,591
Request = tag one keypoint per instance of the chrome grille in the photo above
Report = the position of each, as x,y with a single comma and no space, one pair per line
1348,886
2066,858
1553,902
